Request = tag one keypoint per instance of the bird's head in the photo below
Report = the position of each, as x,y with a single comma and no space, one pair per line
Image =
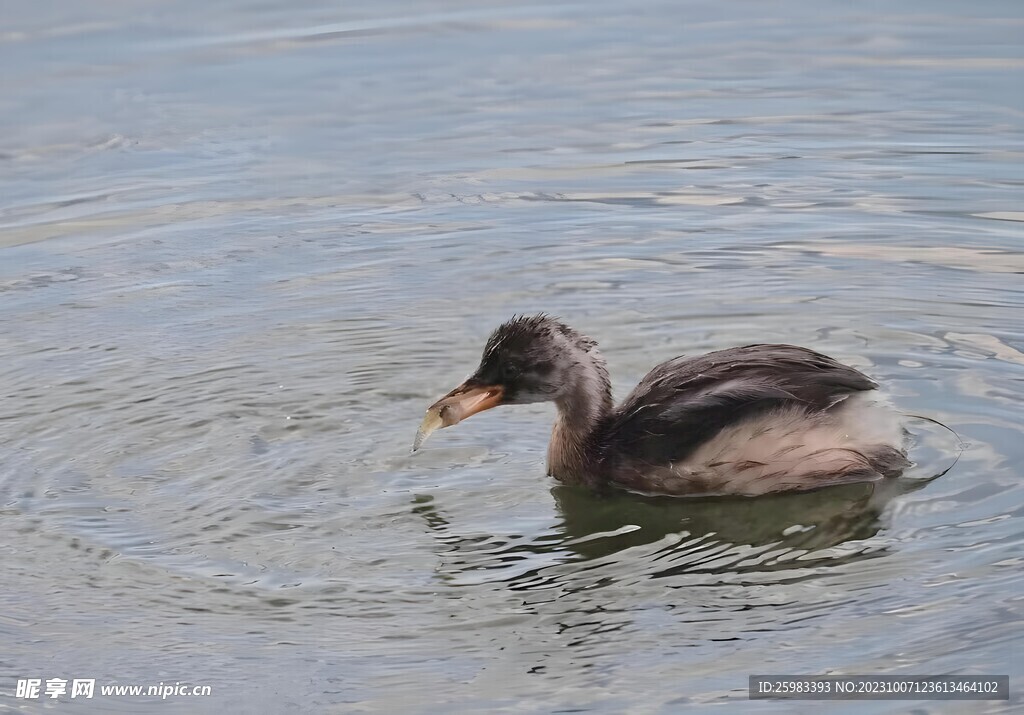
527,359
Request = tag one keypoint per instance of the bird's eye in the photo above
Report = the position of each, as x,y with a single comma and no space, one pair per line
509,371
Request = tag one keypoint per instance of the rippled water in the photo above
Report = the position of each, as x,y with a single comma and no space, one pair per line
246,243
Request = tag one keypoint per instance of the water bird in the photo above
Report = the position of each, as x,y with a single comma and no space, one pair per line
745,421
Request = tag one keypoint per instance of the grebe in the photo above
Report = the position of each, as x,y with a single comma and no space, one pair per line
742,421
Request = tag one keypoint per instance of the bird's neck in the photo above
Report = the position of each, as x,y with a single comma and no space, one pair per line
586,400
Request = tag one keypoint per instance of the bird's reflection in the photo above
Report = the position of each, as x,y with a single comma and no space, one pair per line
706,535
601,525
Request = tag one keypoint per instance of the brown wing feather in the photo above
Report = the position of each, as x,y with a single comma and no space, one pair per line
685,401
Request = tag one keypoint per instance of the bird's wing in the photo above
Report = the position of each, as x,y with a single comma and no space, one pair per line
684,402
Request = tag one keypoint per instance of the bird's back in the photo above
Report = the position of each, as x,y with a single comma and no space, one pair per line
748,420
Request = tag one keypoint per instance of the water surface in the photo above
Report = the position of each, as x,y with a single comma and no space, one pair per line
247,243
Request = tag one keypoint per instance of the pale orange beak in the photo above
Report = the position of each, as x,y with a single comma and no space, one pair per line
464,401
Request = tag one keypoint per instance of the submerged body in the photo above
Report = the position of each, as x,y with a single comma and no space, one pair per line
745,421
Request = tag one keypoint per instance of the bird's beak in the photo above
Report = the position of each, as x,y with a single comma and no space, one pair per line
464,401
